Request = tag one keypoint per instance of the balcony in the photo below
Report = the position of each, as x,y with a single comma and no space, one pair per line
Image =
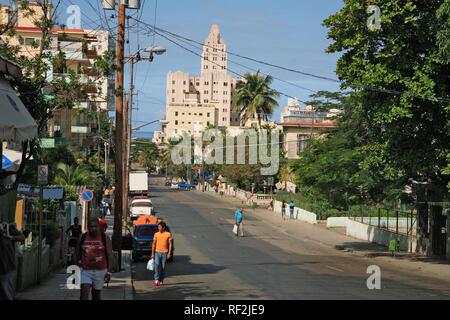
80,129
84,79
92,54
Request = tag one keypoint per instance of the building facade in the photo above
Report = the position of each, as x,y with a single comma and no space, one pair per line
299,125
193,103
80,48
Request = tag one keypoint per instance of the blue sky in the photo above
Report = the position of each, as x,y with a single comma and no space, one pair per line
285,32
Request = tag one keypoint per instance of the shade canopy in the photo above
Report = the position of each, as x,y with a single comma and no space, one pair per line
16,123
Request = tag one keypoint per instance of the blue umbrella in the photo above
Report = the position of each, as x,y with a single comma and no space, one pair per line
6,163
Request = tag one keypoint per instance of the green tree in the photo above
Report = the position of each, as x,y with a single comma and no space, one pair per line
76,175
399,75
254,98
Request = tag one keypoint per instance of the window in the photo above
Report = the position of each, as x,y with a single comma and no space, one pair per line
214,67
197,84
206,83
206,66
183,113
176,130
195,114
173,90
224,110
176,122
173,100
184,82
189,122
215,82
200,114
225,101
208,114
225,84
225,92
182,122
223,68
173,81
176,113
200,122
30,41
207,123
302,140
206,100
224,119
214,59
189,113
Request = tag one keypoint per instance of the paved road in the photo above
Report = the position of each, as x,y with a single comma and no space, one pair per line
211,263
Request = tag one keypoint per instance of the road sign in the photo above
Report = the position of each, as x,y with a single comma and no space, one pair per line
87,195
43,174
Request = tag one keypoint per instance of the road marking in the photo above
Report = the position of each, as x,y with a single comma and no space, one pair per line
335,269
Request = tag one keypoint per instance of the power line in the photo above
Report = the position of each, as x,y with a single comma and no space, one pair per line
255,70
367,87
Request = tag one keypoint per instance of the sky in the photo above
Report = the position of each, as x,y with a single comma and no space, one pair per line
286,32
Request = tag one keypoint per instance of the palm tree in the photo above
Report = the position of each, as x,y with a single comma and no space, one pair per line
254,97
72,176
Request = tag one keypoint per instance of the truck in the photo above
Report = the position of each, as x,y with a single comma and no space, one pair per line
138,183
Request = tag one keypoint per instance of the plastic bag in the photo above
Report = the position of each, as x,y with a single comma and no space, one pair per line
235,229
151,265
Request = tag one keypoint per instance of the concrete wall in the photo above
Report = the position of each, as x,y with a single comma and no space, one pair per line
337,222
299,213
373,234
27,267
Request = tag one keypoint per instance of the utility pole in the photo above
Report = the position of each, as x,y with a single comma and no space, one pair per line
118,193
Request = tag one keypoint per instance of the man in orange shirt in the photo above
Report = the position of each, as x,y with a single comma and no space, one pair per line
161,251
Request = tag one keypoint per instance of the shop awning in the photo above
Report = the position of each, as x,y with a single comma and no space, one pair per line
16,123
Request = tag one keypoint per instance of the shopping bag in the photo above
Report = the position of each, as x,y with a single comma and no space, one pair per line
151,265
235,229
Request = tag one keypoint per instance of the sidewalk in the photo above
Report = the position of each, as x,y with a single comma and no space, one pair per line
54,286
337,240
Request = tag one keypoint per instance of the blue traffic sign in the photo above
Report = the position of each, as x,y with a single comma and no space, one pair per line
87,195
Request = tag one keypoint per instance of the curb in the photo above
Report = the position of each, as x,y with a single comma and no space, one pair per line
128,289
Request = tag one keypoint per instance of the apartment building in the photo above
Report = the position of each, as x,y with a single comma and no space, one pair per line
193,103
80,48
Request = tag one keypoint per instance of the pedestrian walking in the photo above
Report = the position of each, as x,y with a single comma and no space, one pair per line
9,236
291,208
94,256
239,218
161,252
283,210
102,222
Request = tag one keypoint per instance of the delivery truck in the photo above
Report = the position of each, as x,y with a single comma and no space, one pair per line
139,183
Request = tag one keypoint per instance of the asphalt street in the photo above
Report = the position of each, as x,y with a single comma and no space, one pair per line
211,263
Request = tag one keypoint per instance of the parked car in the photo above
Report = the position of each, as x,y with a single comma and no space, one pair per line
186,186
140,206
174,186
143,240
